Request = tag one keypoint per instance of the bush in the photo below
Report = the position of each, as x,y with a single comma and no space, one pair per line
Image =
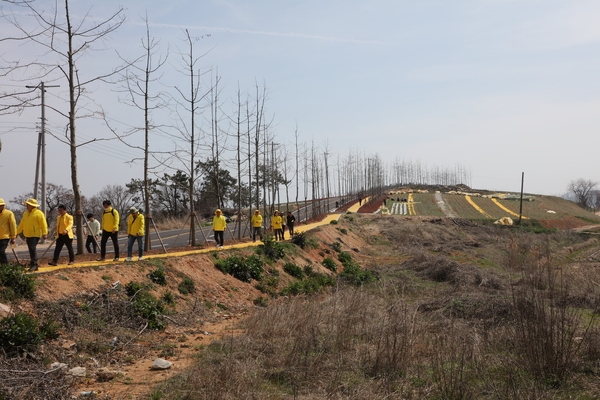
268,285
357,276
261,301
132,288
271,249
345,258
148,307
158,276
310,285
334,222
329,263
293,270
19,333
186,286
343,231
336,246
168,298
17,282
303,241
243,268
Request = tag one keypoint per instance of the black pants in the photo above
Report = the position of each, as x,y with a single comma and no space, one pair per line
256,230
3,246
115,241
90,240
219,238
32,243
63,240
291,228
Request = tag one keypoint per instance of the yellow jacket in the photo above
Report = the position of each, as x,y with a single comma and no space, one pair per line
219,223
136,226
110,220
64,223
276,222
257,221
8,225
33,224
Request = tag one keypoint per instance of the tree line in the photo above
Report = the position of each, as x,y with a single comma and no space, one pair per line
209,152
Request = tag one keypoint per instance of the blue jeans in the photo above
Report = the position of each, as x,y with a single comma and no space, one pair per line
130,241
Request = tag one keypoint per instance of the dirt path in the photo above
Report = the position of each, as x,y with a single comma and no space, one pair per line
445,207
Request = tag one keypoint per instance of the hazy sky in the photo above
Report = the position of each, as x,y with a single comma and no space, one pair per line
499,86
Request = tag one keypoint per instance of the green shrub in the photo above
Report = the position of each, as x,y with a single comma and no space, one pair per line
304,241
168,298
309,285
334,222
336,246
308,270
343,230
329,263
268,285
243,268
19,333
49,329
293,270
261,301
133,287
345,258
21,285
148,307
186,286
357,276
158,276
271,249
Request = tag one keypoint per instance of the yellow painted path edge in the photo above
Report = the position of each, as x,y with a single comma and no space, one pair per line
411,205
507,210
471,202
302,228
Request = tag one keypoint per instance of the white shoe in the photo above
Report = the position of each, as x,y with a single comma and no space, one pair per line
128,259
140,258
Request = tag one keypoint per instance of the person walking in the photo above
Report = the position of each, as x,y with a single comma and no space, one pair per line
257,221
34,226
64,235
218,225
276,224
135,232
110,229
290,219
8,230
93,235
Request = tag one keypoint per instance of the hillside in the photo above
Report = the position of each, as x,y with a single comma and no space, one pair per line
437,308
549,211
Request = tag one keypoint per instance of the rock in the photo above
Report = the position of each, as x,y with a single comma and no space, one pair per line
77,372
160,364
58,365
105,375
5,311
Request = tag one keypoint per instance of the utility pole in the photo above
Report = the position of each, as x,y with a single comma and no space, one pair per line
41,151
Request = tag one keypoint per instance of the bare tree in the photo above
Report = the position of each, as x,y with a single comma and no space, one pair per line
68,42
190,103
582,190
137,81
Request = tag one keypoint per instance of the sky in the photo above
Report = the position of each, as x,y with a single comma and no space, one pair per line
498,86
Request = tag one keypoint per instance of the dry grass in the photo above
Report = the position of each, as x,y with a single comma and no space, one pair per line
433,327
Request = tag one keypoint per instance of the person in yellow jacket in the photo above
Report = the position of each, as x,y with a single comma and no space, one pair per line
257,221
277,225
136,226
218,225
34,226
110,229
64,235
8,230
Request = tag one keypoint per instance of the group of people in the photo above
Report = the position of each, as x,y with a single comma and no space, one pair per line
34,228
278,225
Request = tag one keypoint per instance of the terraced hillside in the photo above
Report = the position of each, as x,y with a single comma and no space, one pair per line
549,211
